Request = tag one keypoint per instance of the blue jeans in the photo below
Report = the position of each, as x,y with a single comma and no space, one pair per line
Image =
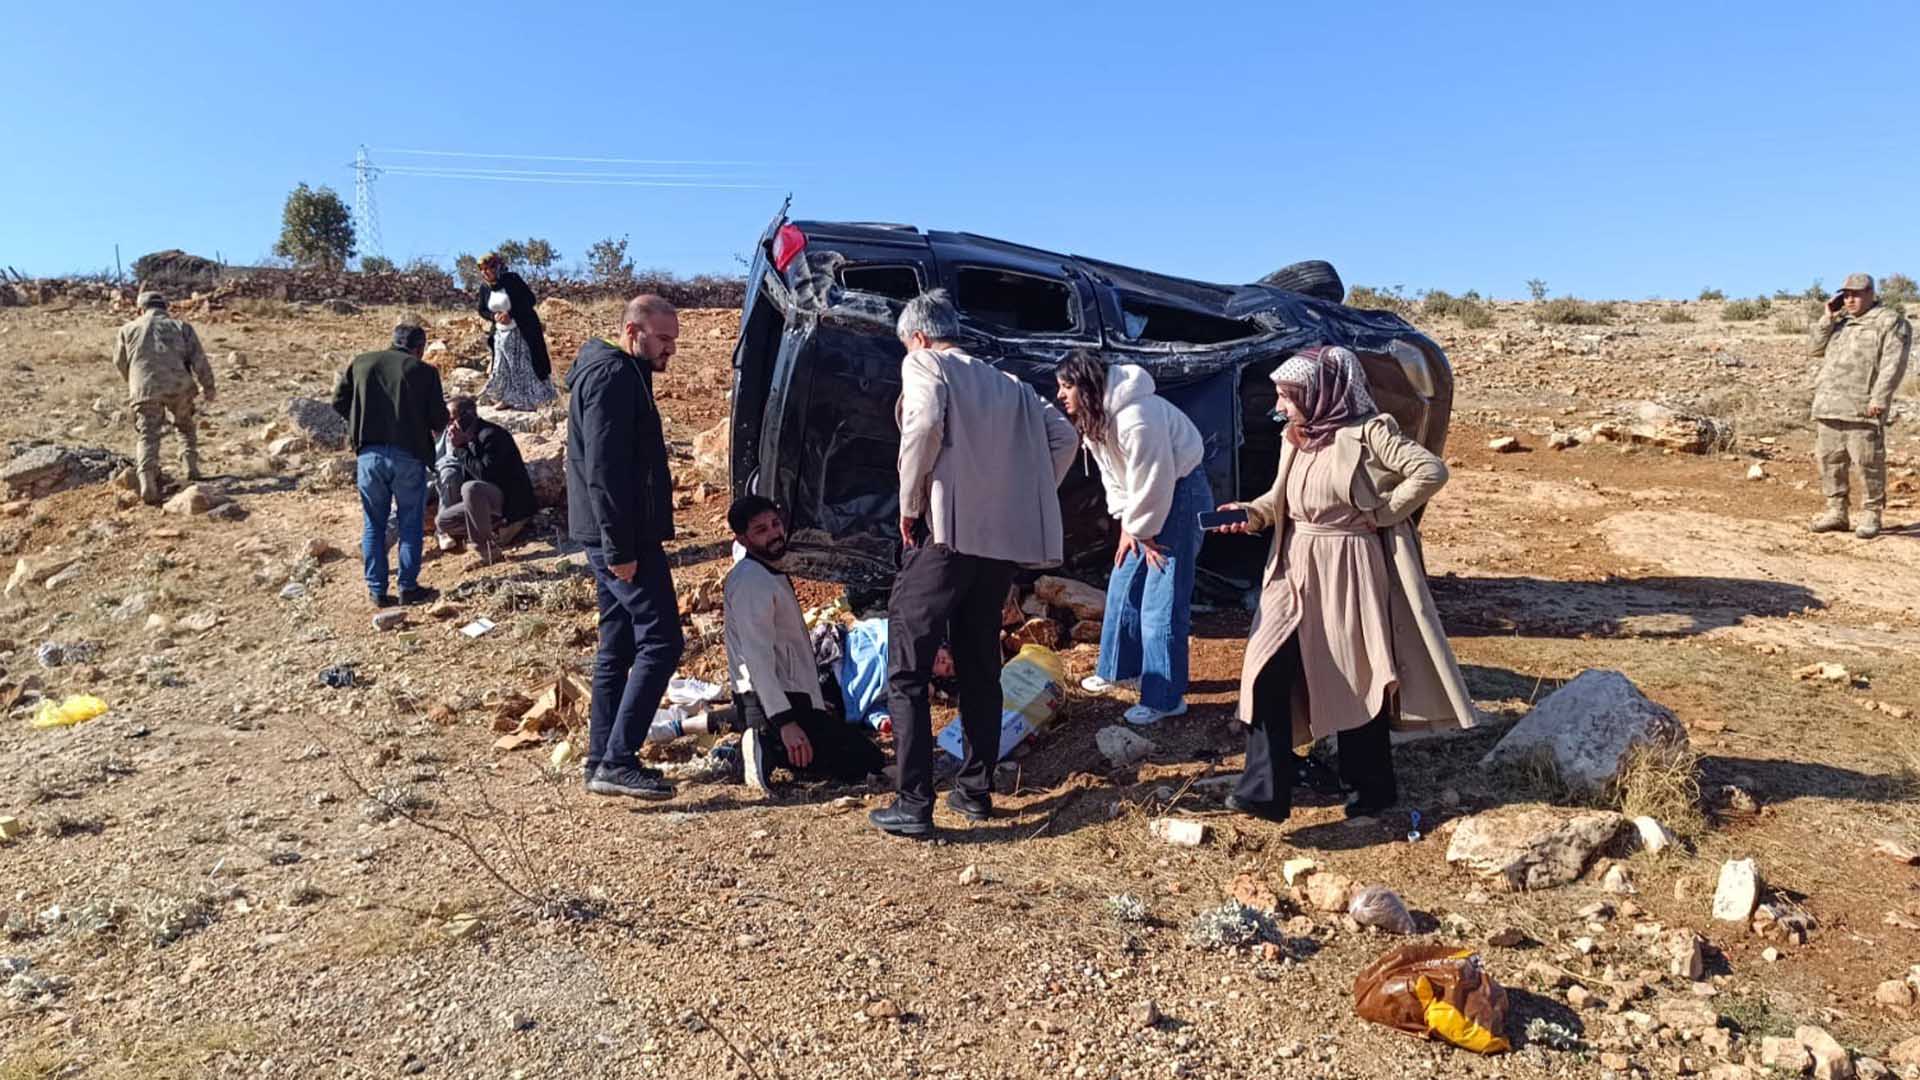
389,478
640,645
1149,612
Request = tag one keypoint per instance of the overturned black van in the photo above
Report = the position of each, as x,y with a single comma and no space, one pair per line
817,371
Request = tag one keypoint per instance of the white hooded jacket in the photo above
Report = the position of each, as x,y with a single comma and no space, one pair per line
1150,446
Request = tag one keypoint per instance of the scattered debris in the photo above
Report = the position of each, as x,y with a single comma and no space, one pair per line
1293,869
1505,444
1738,891
1898,852
1180,832
1126,908
1654,837
1824,672
390,619
1381,907
1122,748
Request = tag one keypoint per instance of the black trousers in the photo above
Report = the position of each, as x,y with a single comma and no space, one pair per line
1366,752
941,596
841,751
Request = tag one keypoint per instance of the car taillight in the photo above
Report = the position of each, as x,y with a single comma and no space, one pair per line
787,245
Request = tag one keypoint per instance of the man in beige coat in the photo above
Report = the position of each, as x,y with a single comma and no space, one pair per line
164,364
981,460
1863,345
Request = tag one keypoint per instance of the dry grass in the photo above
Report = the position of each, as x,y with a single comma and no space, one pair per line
182,1053
35,1064
1567,311
1675,314
1662,782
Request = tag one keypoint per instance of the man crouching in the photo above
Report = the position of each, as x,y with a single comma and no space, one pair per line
776,683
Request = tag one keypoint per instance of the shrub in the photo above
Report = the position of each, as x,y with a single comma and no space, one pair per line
1536,289
1712,294
1746,310
1675,314
1476,316
1467,307
1231,926
1568,311
540,254
607,261
467,269
1790,324
1368,298
316,229
1897,290
376,264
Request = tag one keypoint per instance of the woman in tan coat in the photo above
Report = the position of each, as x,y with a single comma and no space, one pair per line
1346,636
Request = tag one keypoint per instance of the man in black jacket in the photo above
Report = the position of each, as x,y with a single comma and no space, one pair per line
394,407
620,505
486,496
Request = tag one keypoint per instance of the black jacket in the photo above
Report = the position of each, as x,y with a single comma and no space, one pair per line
391,398
520,299
619,492
493,456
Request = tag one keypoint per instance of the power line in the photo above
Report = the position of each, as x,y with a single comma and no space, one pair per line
561,157
591,175
583,178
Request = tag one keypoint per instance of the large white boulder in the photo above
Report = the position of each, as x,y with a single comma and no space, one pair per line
1533,848
1587,728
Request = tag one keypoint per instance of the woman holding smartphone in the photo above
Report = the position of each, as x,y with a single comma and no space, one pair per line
1150,457
1346,633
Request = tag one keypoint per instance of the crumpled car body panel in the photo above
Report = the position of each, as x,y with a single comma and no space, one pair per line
817,372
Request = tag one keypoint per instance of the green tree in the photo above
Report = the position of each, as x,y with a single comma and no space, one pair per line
376,264
1898,289
1536,289
607,261
513,251
316,229
540,254
467,269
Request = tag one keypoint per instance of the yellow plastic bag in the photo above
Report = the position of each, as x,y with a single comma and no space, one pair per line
1437,992
77,709
1031,685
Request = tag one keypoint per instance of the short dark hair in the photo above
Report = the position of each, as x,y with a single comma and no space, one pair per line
463,411
409,338
745,508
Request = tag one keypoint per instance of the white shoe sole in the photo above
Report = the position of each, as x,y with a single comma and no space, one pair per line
1141,716
754,761
1094,684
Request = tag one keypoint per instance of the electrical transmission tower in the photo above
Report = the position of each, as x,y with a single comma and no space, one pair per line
366,215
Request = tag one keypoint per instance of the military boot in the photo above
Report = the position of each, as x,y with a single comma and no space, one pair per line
1869,526
1834,520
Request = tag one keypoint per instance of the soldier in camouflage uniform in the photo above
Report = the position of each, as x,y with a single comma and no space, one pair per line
1865,345
162,361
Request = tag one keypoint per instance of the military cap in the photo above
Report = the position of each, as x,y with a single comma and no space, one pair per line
150,298
1858,283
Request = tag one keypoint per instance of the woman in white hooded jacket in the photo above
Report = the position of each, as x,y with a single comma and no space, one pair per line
1151,462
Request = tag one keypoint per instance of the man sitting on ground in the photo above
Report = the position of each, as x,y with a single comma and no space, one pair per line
486,496
771,662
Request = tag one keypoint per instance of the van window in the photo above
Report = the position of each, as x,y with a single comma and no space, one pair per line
897,282
1021,302
1148,321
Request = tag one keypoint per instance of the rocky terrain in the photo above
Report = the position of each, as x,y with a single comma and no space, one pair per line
291,846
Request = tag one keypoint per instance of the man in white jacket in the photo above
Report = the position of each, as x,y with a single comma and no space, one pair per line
981,460
776,684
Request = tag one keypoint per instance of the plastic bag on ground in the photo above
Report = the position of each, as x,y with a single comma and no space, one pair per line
1437,992
77,709
1030,697
1377,905
691,693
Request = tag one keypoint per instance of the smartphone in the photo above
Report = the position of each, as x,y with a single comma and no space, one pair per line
1220,519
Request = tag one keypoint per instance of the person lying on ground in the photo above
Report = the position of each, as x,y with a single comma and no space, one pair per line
486,497
770,660
857,679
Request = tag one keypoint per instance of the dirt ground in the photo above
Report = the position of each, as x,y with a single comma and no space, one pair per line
240,871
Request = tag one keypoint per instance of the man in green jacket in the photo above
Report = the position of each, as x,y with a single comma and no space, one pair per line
1865,345
394,408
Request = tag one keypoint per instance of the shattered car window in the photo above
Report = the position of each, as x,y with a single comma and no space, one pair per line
1013,301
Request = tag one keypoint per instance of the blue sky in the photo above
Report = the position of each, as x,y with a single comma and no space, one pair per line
1617,150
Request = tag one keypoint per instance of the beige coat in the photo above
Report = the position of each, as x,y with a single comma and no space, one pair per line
981,458
1393,476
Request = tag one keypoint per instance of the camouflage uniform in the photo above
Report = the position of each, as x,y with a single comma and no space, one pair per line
162,361
1865,357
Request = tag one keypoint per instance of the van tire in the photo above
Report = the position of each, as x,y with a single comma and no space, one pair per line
1313,277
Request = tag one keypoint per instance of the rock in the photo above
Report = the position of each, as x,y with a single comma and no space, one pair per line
338,306
1717,1041
1894,993
1618,880
1756,471
1654,836
1531,848
444,609
36,570
1580,997
1738,892
1905,1053
713,454
1787,1055
971,875
1505,444
1085,632
10,828
1087,603
461,926
1688,1014
320,549
1825,671
1657,425
1508,937
1546,976
1122,748
546,460
1293,869
1329,892
1588,727
227,511
336,472
1146,1014
389,619
1770,954
194,499
1830,1060
1687,953
1584,946
1180,832
39,471
1870,1069
65,577
1252,890
1563,440
1042,631
317,422
288,445
521,421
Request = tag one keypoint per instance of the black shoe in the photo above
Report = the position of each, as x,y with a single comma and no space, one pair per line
1314,775
383,600
630,782
1265,811
971,807
1369,806
895,820
418,595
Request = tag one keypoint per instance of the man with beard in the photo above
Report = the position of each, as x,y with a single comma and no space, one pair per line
776,682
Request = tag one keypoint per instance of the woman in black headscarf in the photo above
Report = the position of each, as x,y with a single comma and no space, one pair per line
520,302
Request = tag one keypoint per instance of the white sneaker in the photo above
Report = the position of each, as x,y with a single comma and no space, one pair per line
1142,716
1094,684
753,755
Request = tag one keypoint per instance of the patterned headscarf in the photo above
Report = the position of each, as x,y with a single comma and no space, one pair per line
492,260
1328,385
